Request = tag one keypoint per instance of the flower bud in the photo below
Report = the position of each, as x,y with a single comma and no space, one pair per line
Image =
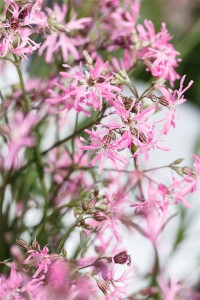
163,101
104,286
99,216
178,170
189,171
122,258
85,205
64,252
92,202
177,161
88,227
34,244
23,244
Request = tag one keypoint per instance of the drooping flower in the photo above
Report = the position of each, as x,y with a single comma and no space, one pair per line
171,100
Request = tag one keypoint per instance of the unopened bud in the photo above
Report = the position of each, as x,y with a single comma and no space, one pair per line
177,170
34,244
92,202
23,244
122,258
104,286
177,161
163,101
88,227
64,252
87,57
140,135
189,171
85,205
99,216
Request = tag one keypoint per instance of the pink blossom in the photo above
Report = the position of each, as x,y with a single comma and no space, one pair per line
60,37
18,134
115,197
151,143
120,22
18,286
41,260
173,99
106,147
18,27
157,53
92,86
58,280
115,287
169,289
65,99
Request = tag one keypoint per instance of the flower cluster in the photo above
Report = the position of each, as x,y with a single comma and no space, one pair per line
76,138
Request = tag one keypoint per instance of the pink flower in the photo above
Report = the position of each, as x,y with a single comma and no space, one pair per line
92,86
61,35
110,219
58,280
65,99
18,286
157,53
169,289
18,134
172,100
41,260
17,28
112,286
120,23
106,147
151,143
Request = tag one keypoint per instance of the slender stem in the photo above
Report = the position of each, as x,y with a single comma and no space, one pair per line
153,169
67,234
73,135
39,165
25,98
73,139
69,6
131,87
2,224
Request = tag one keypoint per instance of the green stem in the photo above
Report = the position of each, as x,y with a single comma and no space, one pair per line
155,273
69,6
75,129
67,234
58,143
39,165
2,224
25,98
